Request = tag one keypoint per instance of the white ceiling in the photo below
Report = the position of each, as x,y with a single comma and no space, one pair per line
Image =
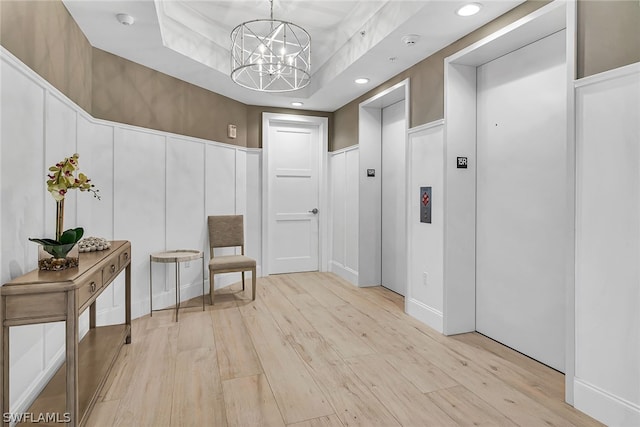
190,39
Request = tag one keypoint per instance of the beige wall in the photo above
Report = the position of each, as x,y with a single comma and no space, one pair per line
608,35
426,82
43,35
126,92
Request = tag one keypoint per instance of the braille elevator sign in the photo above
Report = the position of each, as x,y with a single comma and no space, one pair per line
425,205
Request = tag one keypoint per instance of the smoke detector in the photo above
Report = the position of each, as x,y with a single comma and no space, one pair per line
410,39
125,19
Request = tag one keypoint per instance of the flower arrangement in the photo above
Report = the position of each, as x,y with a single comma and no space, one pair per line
62,177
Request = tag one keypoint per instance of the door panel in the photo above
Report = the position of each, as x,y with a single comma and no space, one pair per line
294,191
394,260
521,198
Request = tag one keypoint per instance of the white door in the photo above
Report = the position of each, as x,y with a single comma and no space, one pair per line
394,259
521,198
293,218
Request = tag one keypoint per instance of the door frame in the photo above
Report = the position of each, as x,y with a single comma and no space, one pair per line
370,188
323,146
460,188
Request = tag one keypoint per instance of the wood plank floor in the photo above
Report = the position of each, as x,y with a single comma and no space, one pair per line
315,351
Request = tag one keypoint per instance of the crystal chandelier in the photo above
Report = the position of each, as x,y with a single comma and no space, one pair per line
269,55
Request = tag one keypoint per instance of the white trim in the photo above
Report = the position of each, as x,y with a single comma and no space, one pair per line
570,278
323,181
497,44
425,126
376,103
604,406
344,150
424,313
616,73
343,271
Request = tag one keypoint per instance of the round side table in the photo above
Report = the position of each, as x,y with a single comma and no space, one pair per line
176,257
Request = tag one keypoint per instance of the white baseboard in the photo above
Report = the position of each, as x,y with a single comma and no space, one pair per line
424,313
345,272
604,406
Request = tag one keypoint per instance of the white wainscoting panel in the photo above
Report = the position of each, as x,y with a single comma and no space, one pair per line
156,190
139,215
338,181
344,207
60,142
352,212
425,161
607,374
253,212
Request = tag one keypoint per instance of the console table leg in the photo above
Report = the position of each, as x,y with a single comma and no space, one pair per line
4,374
71,337
127,301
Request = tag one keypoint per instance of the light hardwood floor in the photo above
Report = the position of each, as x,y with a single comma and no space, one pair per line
315,351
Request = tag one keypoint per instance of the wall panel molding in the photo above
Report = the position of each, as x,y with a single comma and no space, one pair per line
144,177
607,294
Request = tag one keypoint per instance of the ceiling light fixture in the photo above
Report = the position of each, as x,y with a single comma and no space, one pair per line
469,9
297,104
269,55
125,19
362,80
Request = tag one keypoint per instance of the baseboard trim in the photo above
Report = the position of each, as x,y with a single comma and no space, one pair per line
424,313
604,406
345,272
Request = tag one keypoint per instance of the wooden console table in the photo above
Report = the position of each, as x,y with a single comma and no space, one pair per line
48,296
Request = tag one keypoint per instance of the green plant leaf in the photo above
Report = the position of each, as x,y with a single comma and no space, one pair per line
45,242
72,235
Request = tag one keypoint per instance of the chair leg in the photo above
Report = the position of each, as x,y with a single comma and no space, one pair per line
243,281
253,284
211,285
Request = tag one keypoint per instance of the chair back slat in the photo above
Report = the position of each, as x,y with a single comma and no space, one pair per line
226,231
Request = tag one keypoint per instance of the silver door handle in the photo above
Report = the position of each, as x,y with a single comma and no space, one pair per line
314,211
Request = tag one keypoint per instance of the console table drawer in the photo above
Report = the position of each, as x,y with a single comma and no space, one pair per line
110,270
90,288
124,257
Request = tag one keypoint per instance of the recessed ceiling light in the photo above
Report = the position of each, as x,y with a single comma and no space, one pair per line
469,9
297,104
362,80
125,19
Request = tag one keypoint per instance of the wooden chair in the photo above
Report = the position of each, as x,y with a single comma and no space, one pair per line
228,231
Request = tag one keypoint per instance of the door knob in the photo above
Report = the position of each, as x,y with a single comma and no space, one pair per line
314,211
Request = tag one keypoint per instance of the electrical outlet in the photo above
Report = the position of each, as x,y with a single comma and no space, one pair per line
425,278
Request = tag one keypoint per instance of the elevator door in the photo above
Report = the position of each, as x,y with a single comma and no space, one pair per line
521,224
394,240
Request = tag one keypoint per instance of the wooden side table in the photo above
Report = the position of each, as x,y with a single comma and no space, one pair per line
176,257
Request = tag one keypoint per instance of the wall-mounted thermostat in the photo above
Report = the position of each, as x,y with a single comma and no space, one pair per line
462,162
231,131
371,172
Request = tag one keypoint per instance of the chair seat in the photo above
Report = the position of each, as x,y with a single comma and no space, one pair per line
227,262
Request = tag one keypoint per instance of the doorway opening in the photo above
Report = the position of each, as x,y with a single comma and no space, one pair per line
383,124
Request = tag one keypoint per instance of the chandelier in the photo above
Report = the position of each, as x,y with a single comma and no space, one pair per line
270,55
